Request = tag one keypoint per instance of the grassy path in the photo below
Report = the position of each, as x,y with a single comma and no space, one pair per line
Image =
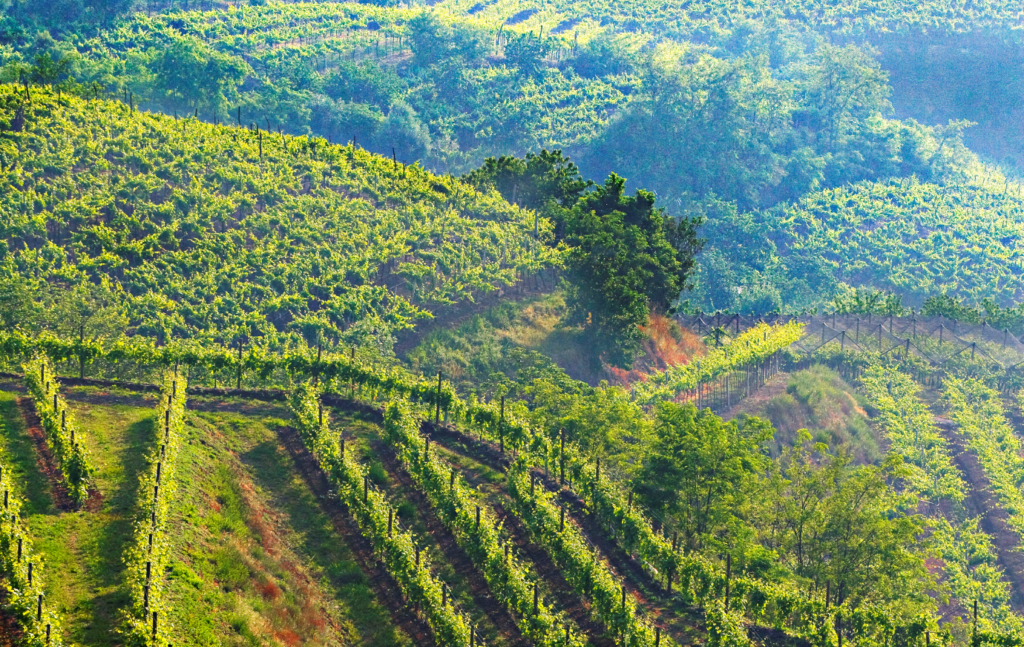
83,548
258,561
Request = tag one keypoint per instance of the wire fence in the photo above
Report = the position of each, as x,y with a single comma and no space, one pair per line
940,343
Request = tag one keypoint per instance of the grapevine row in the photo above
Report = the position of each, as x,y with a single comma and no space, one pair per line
750,347
376,519
912,434
476,532
19,568
59,426
699,580
582,568
977,410
966,552
150,550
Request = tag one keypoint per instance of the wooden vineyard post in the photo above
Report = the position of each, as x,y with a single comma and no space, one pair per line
437,411
238,376
561,462
501,426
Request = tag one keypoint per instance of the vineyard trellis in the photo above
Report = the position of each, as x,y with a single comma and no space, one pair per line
145,621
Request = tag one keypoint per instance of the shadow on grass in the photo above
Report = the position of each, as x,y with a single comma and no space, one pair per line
120,505
273,470
22,454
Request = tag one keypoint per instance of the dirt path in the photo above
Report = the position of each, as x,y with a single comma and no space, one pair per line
44,458
498,615
384,586
982,502
575,608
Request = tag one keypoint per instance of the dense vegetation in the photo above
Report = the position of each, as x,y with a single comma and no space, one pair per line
918,240
177,228
355,324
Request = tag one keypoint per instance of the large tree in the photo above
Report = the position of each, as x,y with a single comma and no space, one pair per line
626,258
699,470
190,74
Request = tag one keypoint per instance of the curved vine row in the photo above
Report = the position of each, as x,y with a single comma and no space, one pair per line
750,347
375,516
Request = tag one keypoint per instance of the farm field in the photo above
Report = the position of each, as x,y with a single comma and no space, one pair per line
535,324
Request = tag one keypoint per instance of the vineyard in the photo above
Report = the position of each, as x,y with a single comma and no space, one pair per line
547,530
708,19
479,323
216,217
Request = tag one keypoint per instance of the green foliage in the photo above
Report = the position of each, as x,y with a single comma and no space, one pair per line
912,434
508,579
698,469
569,551
714,18
479,356
750,347
625,256
224,234
370,510
533,182
452,90
832,523
862,301
16,554
148,555
192,75
59,425
970,565
978,411
817,399
914,239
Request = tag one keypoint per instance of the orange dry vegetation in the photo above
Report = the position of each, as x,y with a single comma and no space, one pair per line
667,344
292,622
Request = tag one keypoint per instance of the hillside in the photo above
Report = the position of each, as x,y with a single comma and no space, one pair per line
218,234
451,89
511,324
914,239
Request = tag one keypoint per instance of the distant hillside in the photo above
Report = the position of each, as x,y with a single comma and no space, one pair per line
214,232
758,113
918,240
